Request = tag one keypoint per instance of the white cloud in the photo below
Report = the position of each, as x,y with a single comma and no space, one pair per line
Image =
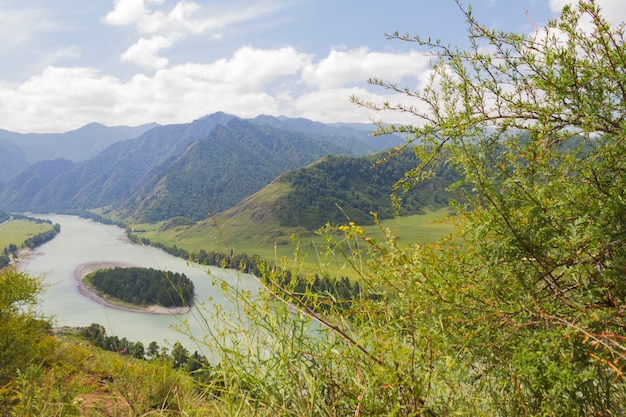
331,105
250,82
253,68
126,12
144,52
168,26
185,16
342,67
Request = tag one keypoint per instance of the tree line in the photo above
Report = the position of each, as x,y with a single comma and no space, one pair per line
144,286
328,291
196,364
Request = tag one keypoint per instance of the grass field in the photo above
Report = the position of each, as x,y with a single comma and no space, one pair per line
250,239
17,231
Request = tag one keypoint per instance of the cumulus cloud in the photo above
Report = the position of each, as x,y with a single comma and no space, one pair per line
144,52
126,12
342,67
168,26
185,16
252,68
250,82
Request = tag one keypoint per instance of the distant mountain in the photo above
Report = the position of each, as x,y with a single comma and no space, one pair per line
12,159
20,192
108,178
187,169
215,173
76,145
354,136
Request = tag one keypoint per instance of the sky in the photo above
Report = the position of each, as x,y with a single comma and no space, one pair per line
68,63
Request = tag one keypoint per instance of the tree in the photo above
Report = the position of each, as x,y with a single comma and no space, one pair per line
137,350
23,334
153,350
520,312
533,293
180,355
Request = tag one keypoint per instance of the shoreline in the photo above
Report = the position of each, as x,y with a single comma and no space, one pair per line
83,270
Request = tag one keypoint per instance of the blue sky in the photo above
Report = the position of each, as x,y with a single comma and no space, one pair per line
126,62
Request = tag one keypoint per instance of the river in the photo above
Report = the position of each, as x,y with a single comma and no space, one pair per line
84,241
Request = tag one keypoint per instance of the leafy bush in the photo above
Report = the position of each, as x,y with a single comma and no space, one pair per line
24,340
521,312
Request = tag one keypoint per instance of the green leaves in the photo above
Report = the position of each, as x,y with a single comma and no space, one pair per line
535,126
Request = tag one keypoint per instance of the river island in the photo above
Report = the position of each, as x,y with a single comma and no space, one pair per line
98,296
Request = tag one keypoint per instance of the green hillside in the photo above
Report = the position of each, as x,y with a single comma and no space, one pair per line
18,191
216,173
340,189
335,189
191,169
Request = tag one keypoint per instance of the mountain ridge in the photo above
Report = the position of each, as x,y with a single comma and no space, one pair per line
76,145
123,175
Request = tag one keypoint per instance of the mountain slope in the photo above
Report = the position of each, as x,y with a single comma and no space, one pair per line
216,173
108,178
20,192
170,170
339,189
76,145
335,189
12,159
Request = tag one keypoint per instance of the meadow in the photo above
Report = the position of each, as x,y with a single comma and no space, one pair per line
17,231
253,239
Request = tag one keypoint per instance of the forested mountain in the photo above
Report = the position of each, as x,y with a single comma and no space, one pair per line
12,159
183,169
339,189
107,178
75,145
216,173
20,193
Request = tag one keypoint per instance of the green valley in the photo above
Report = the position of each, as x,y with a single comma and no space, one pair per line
476,268
334,190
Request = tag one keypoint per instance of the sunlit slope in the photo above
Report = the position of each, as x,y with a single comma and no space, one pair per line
335,190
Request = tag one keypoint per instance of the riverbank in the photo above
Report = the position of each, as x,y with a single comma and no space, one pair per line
85,269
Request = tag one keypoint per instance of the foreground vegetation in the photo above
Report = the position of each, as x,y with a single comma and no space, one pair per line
520,312
57,375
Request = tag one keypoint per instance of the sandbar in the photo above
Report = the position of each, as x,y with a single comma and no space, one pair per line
85,269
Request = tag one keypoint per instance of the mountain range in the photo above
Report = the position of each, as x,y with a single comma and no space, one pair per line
190,170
